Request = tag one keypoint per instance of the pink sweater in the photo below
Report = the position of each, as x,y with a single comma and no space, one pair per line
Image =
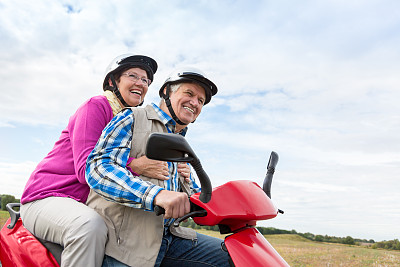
62,172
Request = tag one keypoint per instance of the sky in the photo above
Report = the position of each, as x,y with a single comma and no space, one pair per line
315,81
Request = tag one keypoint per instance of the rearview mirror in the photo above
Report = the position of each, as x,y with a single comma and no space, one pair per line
169,147
174,147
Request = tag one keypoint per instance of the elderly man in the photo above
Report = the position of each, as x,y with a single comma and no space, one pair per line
137,237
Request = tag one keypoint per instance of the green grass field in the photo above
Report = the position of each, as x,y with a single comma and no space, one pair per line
3,217
298,251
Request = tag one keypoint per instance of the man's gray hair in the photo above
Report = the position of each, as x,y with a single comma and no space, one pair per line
173,88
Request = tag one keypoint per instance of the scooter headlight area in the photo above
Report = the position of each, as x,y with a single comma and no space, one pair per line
235,206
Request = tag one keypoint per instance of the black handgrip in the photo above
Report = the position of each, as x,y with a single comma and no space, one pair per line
173,147
159,210
273,160
206,187
13,214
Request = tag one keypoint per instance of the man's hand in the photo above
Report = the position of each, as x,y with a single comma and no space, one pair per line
150,168
176,204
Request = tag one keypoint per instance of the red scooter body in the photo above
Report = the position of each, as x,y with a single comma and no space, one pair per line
237,205
18,247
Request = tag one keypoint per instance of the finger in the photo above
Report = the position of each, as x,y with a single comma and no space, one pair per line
180,205
182,211
162,177
186,175
170,213
167,214
165,171
187,206
183,166
175,210
184,170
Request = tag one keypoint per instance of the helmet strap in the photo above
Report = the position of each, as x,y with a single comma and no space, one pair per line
169,106
117,92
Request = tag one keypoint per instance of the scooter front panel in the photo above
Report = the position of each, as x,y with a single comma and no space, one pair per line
250,248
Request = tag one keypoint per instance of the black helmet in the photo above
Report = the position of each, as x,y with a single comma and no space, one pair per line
187,75
127,61
191,75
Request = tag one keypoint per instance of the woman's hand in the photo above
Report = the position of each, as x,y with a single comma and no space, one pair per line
150,168
184,170
157,169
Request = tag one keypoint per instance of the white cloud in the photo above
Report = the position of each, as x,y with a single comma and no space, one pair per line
14,177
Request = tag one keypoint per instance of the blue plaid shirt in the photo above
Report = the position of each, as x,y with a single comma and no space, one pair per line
106,171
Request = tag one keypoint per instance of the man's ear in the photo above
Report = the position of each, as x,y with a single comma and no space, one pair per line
164,91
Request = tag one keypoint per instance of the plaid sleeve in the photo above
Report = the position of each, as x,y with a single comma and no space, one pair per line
106,171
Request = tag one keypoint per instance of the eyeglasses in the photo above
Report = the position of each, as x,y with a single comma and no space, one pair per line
134,78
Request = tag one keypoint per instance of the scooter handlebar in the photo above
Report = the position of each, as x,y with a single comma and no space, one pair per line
174,148
159,210
273,161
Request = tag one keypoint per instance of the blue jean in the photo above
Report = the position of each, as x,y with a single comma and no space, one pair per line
177,252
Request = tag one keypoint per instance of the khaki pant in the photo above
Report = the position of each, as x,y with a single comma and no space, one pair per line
73,225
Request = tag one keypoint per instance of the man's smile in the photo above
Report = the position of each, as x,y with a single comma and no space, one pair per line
189,109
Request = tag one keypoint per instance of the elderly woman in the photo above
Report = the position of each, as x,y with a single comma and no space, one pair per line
53,202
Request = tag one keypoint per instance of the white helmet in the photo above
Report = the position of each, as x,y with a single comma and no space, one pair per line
187,75
124,62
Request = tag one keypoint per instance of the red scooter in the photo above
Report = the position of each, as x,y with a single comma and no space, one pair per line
235,207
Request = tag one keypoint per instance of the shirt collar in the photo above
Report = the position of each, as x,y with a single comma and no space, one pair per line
168,121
